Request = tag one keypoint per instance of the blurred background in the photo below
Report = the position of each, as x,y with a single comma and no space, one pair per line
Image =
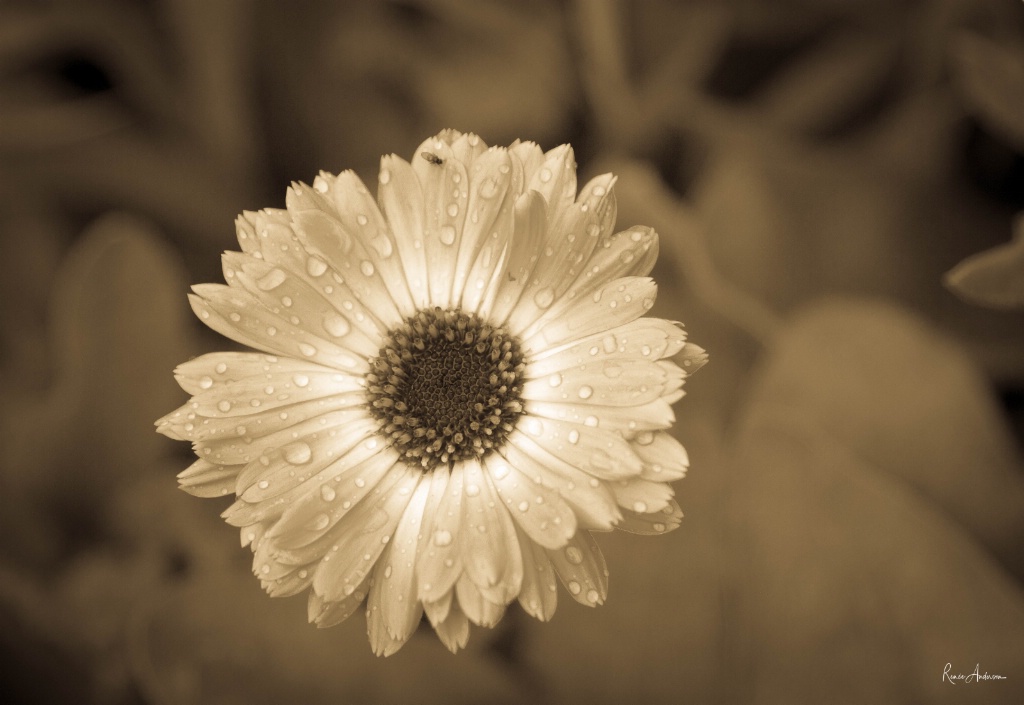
855,507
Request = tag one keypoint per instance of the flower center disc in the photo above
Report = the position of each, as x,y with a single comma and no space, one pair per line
446,387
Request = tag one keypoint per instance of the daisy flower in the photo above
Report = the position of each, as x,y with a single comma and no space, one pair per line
455,386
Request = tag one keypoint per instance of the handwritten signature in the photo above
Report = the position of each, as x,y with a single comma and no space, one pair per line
976,677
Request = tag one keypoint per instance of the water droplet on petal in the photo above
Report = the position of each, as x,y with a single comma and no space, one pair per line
640,507
271,280
315,266
524,506
574,436
328,493
385,176
221,368
300,380
501,472
336,326
555,380
545,175
366,267
472,490
453,209
442,537
573,555
321,522
574,587
585,392
297,453
307,349
224,405
448,233
659,527
205,382
263,484
592,595
545,297
612,370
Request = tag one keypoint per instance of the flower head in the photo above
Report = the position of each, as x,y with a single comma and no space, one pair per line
456,387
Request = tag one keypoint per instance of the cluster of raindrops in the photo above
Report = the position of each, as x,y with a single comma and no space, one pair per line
446,386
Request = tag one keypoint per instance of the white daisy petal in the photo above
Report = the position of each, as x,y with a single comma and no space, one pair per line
539,510
474,603
643,339
203,479
582,569
439,564
437,610
591,501
490,553
400,605
237,315
520,257
655,414
565,257
665,459
402,201
327,613
445,185
340,488
370,528
453,630
668,519
641,496
303,305
495,183
601,453
614,304
384,640
539,595
456,385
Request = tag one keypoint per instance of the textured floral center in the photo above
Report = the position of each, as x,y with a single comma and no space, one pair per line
446,386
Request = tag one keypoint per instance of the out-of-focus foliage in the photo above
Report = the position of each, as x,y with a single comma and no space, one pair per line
855,511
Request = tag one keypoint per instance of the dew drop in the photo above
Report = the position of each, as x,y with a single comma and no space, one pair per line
335,325
263,484
545,175
221,368
224,405
545,297
321,522
612,370
361,219
387,571
574,587
205,382
328,493
555,380
573,555
271,280
447,231
574,436
297,453
524,506
366,267
590,421
315,266
360,482
453,209
307,349
609,343
501,472
385,176
472,490
442,537
234,317
300,380
659,527
585,392
592,595
640,507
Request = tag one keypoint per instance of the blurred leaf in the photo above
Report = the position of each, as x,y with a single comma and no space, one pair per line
990,76
994,277
907,401
117,331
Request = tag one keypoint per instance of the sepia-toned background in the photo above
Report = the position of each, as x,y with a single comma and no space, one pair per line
855,505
